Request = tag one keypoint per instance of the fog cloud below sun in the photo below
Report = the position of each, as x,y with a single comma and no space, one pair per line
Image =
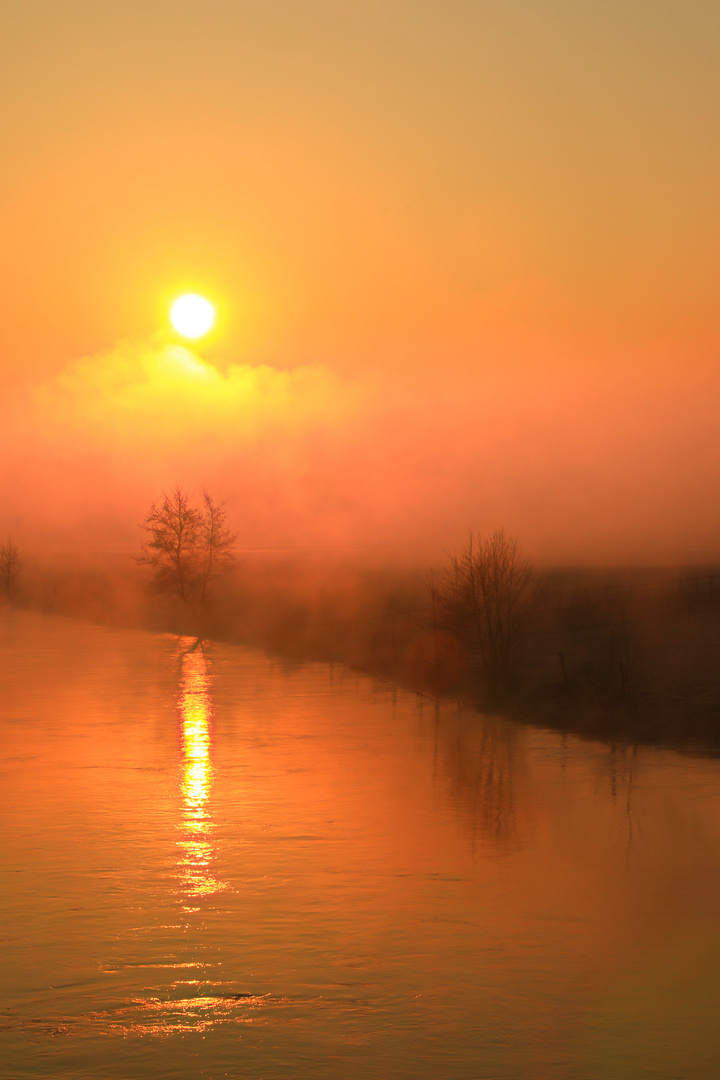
379,465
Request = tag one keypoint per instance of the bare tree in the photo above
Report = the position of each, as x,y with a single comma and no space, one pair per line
486,596
11,563
187,546
218,558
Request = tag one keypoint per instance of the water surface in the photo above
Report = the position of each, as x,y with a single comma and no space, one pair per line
217,866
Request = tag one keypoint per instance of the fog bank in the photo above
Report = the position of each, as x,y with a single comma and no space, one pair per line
586,466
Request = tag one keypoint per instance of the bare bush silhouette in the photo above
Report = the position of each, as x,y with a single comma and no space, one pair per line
11,564
486,596
187,546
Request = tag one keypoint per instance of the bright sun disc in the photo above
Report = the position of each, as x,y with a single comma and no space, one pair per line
192,315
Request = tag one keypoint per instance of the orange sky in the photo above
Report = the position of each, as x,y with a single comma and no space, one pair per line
465,257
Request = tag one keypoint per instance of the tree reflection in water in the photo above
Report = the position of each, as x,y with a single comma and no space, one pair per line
195,709
481,760
494,770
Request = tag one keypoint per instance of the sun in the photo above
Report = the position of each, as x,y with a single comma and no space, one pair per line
192,315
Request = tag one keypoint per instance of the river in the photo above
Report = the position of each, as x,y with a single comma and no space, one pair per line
218,865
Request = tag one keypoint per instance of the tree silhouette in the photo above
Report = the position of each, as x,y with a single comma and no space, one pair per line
187,546
11,563
486,596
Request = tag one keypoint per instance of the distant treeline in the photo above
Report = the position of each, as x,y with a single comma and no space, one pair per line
619,654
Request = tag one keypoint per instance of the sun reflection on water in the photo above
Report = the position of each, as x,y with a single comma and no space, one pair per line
196,844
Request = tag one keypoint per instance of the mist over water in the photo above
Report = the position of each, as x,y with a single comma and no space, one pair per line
344,489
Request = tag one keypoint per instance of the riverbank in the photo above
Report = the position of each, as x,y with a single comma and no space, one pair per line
617,655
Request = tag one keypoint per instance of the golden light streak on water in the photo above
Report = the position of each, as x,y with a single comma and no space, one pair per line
195,706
